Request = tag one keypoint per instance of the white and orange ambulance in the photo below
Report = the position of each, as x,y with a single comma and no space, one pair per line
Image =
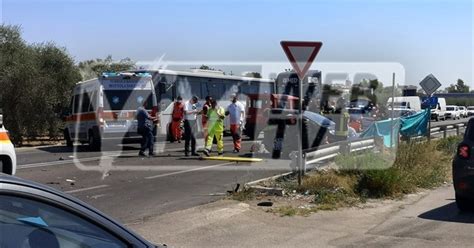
7,152
104,108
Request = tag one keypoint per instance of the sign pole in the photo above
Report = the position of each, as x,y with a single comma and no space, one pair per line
429,122
301,55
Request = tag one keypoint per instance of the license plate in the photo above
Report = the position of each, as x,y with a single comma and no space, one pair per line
116,123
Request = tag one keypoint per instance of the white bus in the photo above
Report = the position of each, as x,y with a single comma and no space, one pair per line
170,84
105,107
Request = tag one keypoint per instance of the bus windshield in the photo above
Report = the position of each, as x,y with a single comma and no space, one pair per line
127,99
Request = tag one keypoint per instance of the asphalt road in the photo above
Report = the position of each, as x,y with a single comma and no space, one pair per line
130,188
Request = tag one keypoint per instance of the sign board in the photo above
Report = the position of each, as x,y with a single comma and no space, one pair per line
430,102
430,84
301,54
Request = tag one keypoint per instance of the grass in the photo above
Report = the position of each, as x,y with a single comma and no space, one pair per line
243,195
376,175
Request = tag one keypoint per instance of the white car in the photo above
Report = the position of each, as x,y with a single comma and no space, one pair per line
463,111
453,112
470,111
7,151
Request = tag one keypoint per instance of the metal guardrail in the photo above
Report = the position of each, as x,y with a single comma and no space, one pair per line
315,155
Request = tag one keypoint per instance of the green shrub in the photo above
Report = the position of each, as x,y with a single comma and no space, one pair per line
449,144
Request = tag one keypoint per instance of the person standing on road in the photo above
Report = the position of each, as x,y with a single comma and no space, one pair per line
190,127
215,116
236,112
145,123
177,119
205,108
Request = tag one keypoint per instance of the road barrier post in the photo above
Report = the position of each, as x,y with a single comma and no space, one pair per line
457,130
445,132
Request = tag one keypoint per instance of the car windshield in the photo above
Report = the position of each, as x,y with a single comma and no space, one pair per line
470,108
450,108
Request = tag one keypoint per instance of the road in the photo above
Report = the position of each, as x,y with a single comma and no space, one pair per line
130,188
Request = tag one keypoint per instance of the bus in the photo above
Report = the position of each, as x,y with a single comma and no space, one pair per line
170,84
105,107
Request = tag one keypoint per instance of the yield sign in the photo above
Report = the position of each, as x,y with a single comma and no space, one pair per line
301,54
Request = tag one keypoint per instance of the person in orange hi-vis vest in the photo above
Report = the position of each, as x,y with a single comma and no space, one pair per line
177,117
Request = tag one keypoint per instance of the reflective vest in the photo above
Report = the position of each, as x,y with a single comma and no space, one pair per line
178,111
215,119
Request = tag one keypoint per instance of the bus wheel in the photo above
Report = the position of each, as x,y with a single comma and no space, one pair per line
95,142
67,138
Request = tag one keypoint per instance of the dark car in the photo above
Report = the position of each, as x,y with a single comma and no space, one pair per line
463,170
280,136
34,215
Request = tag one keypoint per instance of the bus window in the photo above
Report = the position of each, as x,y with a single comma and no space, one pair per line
188,87
216,89
204,90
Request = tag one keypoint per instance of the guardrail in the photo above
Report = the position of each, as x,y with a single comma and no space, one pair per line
326,152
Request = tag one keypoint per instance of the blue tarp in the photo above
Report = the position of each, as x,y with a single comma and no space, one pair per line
413,125
382,129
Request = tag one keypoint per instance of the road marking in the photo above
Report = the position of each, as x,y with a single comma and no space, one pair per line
186,171
86,189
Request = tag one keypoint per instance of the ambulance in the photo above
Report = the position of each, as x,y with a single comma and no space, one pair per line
104,108
7,151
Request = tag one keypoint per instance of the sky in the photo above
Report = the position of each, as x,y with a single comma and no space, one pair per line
425,36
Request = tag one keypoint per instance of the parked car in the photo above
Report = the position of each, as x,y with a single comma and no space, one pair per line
7,152
463,169
280,133
453,112
470,111
463,111
34,215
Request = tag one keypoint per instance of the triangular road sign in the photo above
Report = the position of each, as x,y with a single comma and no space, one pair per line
301,54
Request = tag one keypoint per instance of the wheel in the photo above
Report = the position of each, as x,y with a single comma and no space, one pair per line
437,118
95,141
67,138
463,203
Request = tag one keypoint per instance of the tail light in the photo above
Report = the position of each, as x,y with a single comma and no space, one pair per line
463,151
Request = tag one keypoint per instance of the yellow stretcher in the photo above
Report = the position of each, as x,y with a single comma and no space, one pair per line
235,159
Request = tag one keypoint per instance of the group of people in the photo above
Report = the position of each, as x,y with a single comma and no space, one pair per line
212,122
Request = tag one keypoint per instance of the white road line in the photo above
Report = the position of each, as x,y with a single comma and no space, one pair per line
186,171
86,189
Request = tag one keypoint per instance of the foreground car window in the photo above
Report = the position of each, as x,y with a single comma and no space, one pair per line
28,223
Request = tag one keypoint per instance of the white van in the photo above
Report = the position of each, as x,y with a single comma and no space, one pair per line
439,113
105,107
405,102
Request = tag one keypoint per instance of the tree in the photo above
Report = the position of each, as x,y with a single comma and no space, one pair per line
459,87
34,80
253,74
94,68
